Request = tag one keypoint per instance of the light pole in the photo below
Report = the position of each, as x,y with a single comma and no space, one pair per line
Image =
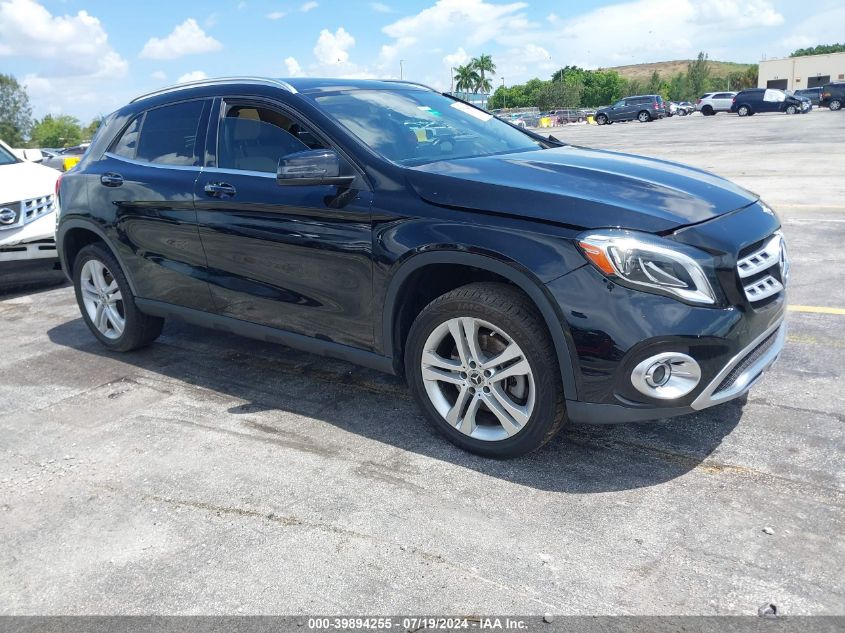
401,69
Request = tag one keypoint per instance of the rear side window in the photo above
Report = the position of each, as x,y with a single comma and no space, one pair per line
128,142
169,134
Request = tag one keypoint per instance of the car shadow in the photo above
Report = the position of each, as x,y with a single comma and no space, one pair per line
582,459
29,281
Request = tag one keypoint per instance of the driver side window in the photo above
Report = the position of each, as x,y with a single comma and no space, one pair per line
254,138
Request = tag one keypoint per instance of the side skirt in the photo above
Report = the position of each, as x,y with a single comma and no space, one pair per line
266,333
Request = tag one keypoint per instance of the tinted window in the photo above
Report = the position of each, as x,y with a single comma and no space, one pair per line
6,157
169,134
128,142
254,139
722,95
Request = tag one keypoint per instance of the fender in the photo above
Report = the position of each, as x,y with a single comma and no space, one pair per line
560,334
89,225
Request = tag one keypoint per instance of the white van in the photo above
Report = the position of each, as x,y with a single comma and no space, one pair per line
28,209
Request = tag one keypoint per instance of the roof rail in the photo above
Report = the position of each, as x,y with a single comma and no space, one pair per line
264,81
410,83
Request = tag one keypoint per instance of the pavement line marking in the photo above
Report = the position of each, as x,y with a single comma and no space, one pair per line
816,309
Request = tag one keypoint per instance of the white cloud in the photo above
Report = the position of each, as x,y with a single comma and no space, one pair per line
380,7
331,48
194,75
275,15
294,69
458,58
75,52
309,6
159,75
187,38
820,28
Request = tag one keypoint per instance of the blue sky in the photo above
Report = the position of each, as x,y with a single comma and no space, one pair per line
88,57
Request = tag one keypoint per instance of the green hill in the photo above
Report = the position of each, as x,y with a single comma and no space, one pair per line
642,72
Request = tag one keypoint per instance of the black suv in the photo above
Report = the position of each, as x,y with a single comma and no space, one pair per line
515,281
754,100
643,108
833,95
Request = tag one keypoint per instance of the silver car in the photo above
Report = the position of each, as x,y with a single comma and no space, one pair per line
712,102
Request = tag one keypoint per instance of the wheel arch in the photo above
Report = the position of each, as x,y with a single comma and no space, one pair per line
74,234
397,295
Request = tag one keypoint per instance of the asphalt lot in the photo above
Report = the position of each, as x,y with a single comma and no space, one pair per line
211,474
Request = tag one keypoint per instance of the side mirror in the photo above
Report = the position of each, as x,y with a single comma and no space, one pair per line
312,167
33,155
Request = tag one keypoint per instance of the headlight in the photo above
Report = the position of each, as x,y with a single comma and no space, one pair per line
647,262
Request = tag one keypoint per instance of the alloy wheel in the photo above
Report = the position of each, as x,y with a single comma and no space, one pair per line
478,379
102,299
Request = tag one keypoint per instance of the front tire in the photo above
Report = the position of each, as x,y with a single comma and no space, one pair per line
791,110
835,104
107,303
601,119
482,367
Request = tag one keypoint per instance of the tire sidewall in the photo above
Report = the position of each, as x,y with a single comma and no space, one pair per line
101,253
835,104
539,425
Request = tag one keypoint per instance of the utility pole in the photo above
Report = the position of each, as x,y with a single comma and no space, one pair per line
452,81
504,96
401,69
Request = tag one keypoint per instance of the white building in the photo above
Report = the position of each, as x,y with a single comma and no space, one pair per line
794,73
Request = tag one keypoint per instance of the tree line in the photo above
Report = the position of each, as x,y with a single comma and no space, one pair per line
821,49
18,128
573,87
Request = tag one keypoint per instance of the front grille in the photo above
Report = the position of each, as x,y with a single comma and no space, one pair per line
763,268
752,357
26,211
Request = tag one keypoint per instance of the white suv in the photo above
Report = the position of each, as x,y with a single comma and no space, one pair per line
27,209
712,102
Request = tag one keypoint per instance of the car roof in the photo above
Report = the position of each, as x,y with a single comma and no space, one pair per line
305,85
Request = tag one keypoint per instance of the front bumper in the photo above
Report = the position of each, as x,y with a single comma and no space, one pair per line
734,380
32,241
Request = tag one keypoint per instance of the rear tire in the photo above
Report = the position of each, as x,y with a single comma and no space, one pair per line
708,110
643,116
493,409
743,110
107,303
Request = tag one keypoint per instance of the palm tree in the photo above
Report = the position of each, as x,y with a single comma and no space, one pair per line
483,85
484,65
466,79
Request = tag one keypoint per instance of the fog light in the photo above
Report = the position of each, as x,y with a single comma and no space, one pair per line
666,376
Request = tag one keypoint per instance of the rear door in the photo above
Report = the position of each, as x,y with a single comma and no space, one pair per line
297,258
148,176
722,100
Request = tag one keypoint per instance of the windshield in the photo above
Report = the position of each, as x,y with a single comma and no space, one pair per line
413,127
6,157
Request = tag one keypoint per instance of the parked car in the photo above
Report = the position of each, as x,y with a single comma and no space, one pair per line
754,100
27,212
813,94
67,157
712,102
481,267
642,108
685,108
833,95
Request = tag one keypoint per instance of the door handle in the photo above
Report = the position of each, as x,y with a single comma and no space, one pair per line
111,179
220,190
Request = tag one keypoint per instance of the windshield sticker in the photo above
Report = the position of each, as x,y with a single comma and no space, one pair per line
468,109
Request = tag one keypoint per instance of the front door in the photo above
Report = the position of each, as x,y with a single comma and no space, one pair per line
298,258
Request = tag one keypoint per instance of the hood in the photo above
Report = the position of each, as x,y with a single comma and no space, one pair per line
22,181
582,188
